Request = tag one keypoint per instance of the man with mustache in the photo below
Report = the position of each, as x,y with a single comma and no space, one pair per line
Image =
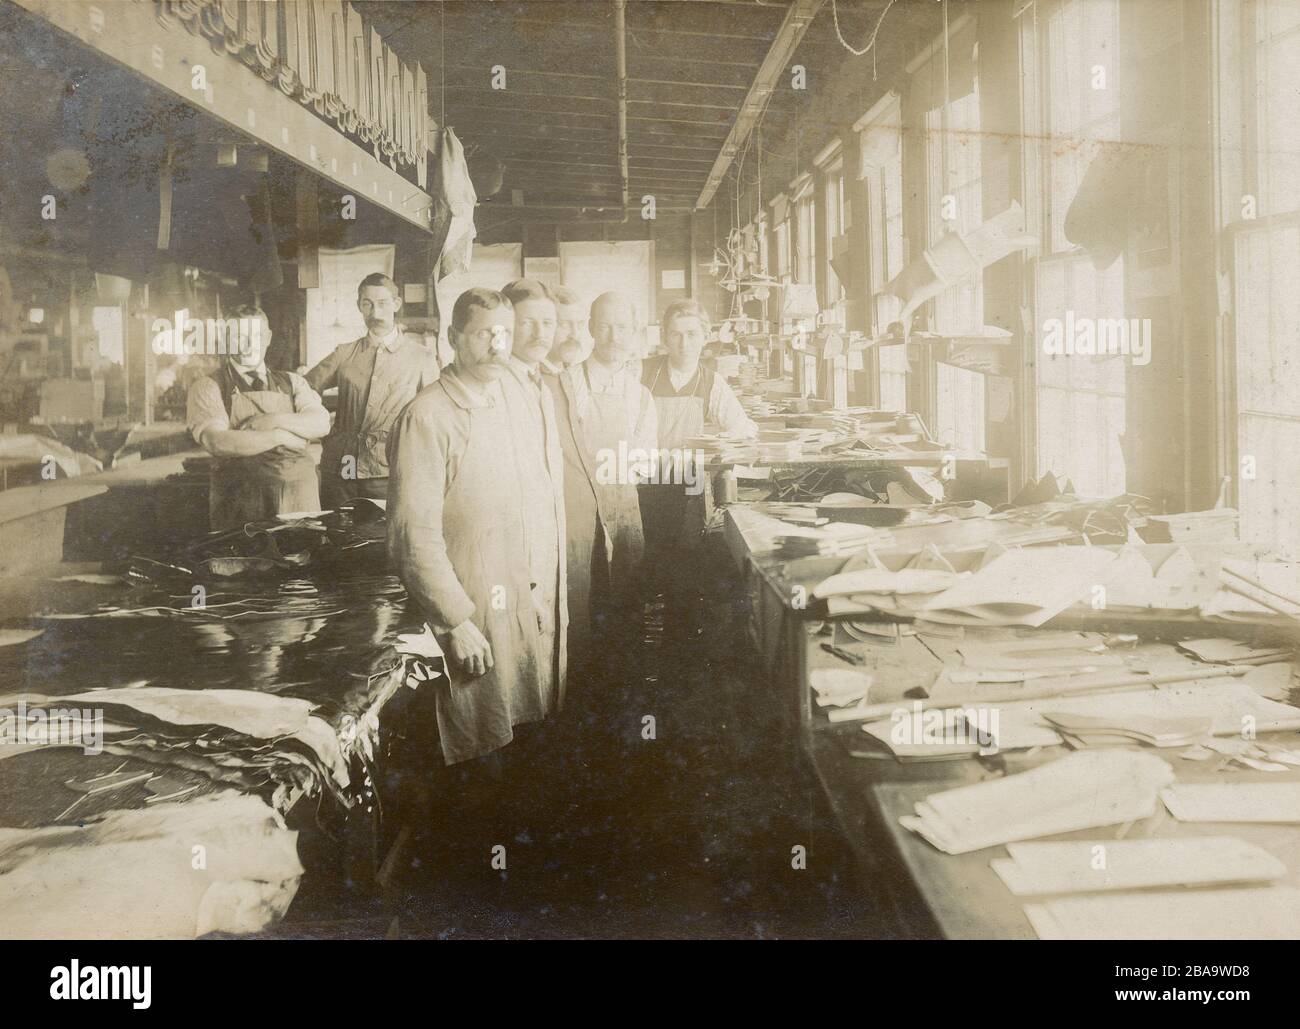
617,416
261,427
540,466
534,364
376,375
569,348
463,534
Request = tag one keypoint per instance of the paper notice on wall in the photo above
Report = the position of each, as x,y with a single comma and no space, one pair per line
543,269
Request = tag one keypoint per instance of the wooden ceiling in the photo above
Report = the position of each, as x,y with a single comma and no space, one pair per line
690,64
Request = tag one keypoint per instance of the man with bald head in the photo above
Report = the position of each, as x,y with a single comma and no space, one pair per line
619,425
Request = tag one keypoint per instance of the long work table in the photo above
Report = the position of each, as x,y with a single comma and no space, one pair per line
912,666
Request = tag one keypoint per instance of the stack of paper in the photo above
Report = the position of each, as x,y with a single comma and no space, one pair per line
873,580
1259,914
1235,652
1080,791
826,540
1218,525
1084,866
1234,802
1174,716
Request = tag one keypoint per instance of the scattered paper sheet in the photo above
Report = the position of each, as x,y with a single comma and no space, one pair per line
1234,802
1085,866
872,580
1083,790
1023,587
837,687
1258,914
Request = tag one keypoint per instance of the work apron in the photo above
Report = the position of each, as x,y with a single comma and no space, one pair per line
607,424
250,489
671,518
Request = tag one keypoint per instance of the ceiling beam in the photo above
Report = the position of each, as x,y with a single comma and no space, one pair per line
798,17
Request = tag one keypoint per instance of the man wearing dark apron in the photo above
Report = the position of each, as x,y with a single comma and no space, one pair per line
260,426
689,401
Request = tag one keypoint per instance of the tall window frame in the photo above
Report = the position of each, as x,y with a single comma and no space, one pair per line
1080,400
949,118
880,164
1257,78
836,213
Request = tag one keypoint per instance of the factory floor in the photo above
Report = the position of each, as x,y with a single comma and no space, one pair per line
608,834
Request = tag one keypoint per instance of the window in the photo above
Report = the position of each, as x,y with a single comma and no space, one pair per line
805,241
1081,398
1260,210
781,238
880,143
761,229
955,205
959,419
836,225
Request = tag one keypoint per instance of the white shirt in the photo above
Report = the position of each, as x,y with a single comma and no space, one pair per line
388,342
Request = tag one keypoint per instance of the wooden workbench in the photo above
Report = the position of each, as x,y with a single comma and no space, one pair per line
955,896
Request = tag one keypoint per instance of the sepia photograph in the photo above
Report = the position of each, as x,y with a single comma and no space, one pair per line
734,470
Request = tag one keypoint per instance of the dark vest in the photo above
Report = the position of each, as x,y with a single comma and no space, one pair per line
655,378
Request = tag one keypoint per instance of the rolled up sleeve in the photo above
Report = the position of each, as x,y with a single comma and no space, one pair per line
418,460
305,398
204,408
726,412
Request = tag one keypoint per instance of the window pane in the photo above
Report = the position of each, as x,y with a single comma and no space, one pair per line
893,377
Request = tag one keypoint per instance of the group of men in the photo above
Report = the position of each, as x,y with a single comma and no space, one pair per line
517,549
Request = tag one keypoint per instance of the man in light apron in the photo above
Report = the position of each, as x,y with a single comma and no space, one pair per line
260,426
689,401
617,415
376,375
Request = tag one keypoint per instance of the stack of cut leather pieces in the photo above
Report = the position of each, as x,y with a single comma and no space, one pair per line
253,741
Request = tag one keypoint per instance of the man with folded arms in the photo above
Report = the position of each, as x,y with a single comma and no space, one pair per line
261,427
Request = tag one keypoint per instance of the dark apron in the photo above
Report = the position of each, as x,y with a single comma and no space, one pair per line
279,481
668,514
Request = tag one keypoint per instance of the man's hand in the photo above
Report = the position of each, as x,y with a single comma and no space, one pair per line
262,423
285,438
470,649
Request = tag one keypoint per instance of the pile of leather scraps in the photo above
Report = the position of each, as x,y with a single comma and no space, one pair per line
288,543
255,741
219,863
